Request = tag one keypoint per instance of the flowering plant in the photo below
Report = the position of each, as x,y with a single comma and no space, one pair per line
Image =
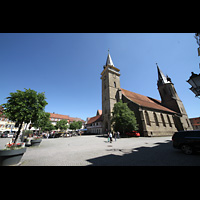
12,145
36,137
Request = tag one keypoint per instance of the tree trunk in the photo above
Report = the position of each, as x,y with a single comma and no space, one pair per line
18,132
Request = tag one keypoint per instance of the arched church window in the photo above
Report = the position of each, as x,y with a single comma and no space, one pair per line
147,118
163,120
170,124
115,84
156,119
187,123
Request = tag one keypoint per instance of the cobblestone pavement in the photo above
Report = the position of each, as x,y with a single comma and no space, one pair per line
96,151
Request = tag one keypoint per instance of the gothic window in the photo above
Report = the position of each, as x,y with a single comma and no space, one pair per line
156,119
115,84
187,123
163,120
147,118
170,124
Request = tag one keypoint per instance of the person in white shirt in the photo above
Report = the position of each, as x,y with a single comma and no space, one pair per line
110,136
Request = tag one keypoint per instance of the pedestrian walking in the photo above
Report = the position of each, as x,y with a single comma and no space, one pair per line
110,135
118,133
115,135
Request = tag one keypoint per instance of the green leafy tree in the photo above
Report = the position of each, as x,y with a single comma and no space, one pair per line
62,124
48,126
24,106
75,125
79,124
123,119
43,122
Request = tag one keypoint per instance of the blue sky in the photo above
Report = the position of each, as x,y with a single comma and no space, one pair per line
67,66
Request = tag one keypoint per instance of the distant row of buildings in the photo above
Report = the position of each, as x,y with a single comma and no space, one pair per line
195,123
8,125
57,117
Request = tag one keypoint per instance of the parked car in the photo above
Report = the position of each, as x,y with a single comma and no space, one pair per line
187,141
4,134
10,135
133,134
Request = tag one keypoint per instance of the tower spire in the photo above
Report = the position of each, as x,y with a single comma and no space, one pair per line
162,79
109,59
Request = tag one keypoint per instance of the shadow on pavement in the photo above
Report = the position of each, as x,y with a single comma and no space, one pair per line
162,154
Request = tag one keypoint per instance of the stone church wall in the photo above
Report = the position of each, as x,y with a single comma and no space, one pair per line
152,122
161,124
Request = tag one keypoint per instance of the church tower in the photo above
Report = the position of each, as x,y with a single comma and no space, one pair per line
110,86
171,100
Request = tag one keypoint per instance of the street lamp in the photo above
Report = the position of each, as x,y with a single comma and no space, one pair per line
194,79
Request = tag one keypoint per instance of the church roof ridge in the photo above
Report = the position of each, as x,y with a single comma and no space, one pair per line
145,101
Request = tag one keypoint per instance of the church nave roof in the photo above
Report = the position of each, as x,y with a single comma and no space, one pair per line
145,101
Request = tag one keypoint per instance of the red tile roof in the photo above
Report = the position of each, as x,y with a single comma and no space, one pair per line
59,116
95,119
145,101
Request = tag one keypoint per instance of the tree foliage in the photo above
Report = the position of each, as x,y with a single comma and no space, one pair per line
24,106
62,124
123,119
43,122
75,125
48,126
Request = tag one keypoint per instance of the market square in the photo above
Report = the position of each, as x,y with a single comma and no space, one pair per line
97,151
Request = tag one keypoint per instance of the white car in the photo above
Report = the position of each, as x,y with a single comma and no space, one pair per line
10,135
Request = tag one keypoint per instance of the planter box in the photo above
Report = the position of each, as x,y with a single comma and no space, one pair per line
11,157
36,142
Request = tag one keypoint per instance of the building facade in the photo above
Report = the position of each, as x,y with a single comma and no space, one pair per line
8,125
195,123
94,124
155,118
57,117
